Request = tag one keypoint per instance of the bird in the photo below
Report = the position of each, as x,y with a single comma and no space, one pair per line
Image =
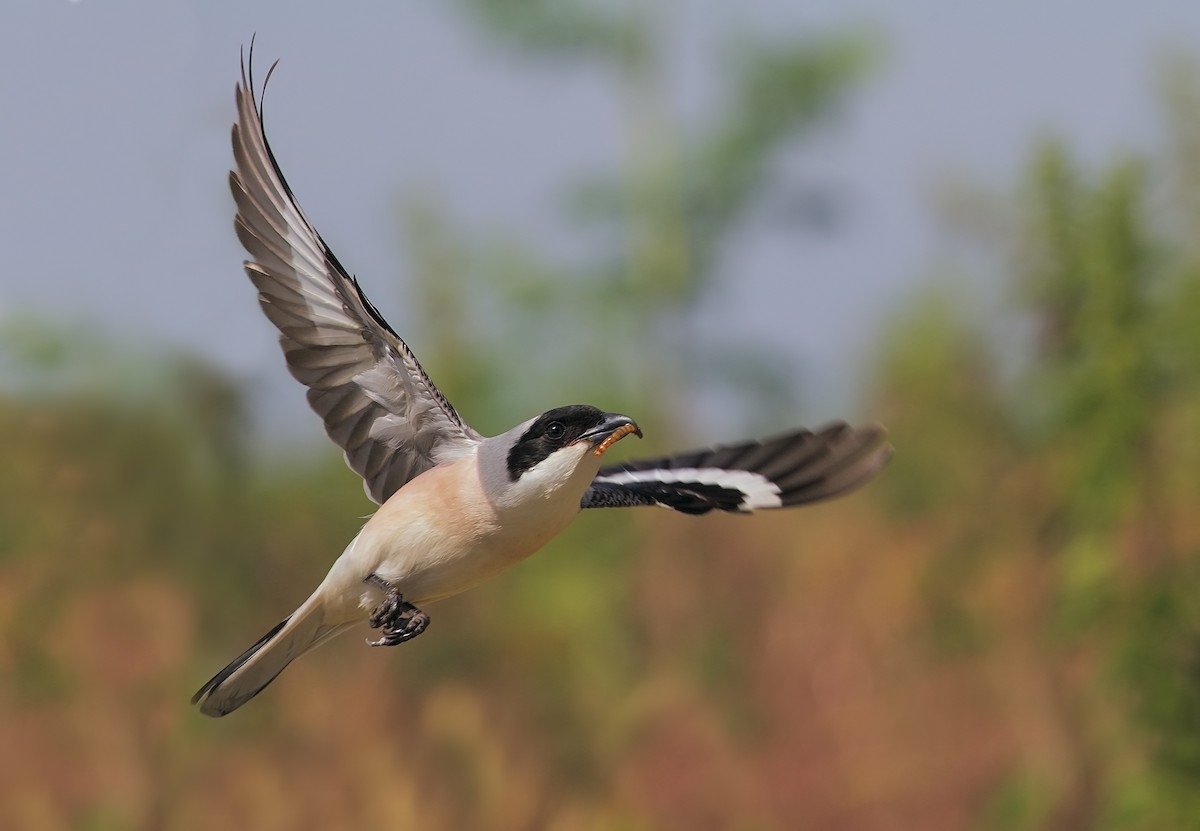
456,507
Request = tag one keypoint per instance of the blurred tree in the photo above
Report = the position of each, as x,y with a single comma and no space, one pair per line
720,678
669,218
1070,478
615,328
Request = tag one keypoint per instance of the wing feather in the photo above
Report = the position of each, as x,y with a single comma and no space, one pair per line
375,399
794,468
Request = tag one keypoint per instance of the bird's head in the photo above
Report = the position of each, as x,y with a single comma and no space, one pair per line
564,438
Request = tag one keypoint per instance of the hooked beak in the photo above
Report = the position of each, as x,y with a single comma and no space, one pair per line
612,428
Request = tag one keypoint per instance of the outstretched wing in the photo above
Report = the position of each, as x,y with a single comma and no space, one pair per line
790,469
377,403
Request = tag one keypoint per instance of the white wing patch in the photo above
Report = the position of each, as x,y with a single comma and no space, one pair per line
757,490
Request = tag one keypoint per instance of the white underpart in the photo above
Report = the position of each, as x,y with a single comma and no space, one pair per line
757,491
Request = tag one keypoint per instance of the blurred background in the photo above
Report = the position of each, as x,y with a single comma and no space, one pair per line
977,226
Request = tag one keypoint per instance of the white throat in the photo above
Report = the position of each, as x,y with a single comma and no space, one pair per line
562,476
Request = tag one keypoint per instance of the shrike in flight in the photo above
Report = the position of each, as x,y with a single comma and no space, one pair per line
456,507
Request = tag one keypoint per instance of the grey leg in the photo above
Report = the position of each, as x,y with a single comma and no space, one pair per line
400,620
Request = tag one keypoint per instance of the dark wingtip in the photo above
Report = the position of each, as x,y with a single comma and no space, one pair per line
864,452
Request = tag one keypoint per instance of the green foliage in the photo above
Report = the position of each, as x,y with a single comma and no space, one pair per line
142,543
1007,638
1097,289
936,385
565,29
777,89
619,319
1019,803
1066,479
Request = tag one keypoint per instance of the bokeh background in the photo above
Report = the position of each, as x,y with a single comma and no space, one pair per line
978,226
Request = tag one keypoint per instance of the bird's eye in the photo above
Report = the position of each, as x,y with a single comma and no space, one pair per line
555,430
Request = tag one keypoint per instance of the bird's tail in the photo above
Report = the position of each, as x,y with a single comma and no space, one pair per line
247,674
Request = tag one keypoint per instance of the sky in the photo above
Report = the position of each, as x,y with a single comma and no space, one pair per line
114,141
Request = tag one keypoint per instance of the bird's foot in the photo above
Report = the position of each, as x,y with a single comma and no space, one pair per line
400,620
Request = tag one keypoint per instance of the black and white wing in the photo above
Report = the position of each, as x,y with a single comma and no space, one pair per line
794,468
377,403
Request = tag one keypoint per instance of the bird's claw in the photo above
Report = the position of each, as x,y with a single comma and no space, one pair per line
400,620
407,625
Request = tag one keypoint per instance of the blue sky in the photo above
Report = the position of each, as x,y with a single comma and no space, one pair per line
114,139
